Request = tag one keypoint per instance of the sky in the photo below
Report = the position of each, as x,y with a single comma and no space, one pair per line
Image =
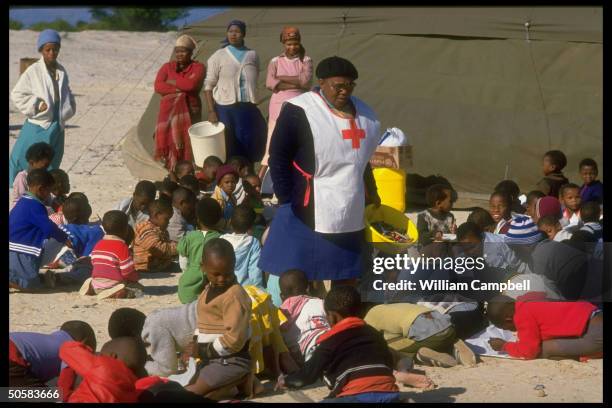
29,16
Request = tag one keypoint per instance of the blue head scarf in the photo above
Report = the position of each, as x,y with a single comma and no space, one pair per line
48,36
238,23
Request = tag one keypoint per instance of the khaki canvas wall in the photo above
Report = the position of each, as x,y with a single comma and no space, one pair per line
478,101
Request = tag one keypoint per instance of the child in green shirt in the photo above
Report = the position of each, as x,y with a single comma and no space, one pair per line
193,280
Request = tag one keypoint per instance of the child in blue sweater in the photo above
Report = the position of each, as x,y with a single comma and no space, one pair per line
246,247
31,233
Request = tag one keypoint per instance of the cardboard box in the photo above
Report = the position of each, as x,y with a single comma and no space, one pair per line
392,157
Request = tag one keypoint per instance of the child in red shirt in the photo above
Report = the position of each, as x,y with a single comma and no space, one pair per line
109,376
547,329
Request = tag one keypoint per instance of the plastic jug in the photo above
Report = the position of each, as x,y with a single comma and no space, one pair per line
391,184
207,140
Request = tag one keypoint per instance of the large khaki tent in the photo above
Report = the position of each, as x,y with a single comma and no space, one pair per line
482,93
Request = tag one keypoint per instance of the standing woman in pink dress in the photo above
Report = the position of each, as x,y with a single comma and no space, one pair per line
289,75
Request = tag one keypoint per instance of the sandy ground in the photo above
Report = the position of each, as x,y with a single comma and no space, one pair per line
112,76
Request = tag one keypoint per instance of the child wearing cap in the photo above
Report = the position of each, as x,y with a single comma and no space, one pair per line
227,179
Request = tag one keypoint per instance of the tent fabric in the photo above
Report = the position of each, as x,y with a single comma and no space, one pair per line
480,96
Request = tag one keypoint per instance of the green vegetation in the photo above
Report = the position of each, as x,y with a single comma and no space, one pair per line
116,19
15,25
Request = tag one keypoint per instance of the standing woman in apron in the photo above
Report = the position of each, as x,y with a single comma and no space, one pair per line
289,75
43,95
319,162
230,89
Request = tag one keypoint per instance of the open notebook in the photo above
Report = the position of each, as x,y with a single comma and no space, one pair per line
479,343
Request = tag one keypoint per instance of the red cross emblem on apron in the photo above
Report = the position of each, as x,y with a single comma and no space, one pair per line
354,134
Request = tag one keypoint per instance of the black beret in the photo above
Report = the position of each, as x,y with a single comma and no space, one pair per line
336,67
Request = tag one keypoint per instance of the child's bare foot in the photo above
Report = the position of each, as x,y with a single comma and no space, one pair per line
414,380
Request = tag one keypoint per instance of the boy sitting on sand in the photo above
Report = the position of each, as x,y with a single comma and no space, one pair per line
246,247
153,249
39,156
223,318
227,179
136,206
512,190
532,197
34,357
61,188
183,207
547,329
113,273
109,376
181,168
166,188
499,208
438,218
32,235
192,280
592,189
590,213
553,162
352,357
569,196
551,226
208,175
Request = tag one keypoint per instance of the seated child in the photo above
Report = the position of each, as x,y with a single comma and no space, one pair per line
113,273
512,190
33,239
532,197
438,218
553,162
496,253
109,376
592,189
166,188
153,249
58,217
136,206
546,206
183,207
243,167
126,322
190,182
60,189
590,213
227,179
419,332
246,247
223,321
569,196
499,208
208,176
252,187
34,357
551,226
39,156
352,357
181,168
192,280
547,329
306,320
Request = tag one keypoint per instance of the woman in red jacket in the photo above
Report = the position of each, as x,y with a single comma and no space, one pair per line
179,83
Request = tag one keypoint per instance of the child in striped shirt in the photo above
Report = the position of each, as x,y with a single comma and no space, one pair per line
153,250
113,273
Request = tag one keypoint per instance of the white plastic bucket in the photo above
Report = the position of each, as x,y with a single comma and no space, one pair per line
207,140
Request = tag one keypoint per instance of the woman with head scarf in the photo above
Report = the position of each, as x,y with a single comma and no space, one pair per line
319,163
289,75
179,83
43,95
230,88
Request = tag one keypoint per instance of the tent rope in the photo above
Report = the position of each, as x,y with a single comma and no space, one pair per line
114,148
84,151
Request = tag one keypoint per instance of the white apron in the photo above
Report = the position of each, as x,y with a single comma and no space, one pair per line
342,150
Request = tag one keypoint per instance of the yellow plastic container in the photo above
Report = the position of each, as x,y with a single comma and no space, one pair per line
391,184
392,217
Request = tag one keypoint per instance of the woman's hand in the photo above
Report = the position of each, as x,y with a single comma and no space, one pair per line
42,107
212,117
